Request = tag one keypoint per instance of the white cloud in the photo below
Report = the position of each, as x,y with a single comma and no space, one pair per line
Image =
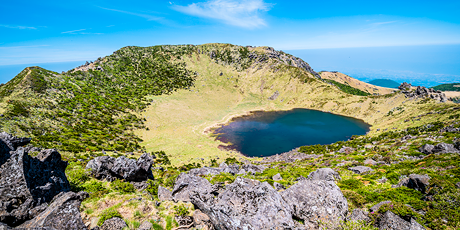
72,31
146,16
19,27
241,13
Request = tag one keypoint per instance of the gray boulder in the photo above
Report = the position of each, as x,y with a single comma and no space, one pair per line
204,171
246,204
114,223
63,213
201,220
28,184
370,162
109,168
146,225
164,194
445,148
186,184
346,150
253,169
326,174
359,215
415,181
391,221
277,177
426,149
360,169
313,200
10,143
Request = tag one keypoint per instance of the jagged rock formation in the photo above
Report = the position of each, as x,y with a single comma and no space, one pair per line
164,194
109,168
246,204
422,92
326,174
289,157
391,221
438,149
63,213
29,188
360,169
418,182
187,184
314,200
224,168
359,215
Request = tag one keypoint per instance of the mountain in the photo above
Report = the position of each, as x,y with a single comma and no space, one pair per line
385,83
448,87
165,100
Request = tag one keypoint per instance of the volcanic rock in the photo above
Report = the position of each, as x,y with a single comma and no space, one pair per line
415,181
444,148
359,215
63,213
164,194
186,184
109,168
326,174
245,204
114,223
313,200
360,169
426,149
391,221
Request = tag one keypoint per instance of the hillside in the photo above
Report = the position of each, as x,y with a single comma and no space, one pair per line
363,86
148,110
387,83
448,87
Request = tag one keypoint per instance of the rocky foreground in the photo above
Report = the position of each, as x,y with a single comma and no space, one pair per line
35,194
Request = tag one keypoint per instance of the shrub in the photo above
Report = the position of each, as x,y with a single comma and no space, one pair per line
350,184
108,214
355,199
123,187
181,210
152,188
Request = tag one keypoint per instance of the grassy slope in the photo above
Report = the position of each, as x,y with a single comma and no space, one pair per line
177,122
363,86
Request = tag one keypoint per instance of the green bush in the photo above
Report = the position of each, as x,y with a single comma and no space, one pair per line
355,200
350,184
181,210
152,188
122,187
108,214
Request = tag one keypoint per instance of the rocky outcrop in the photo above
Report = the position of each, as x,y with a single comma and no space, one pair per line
376,207
187,184
224,168
314,200
289,157
278,186
391,221
415,181
202,221
164,194
274,96
109,168
146,225
29,188
360,169
277,177
28,184
63,213
346,150
370,162
246,204
426,149
252,169
114,223
422,92
326,174
359,215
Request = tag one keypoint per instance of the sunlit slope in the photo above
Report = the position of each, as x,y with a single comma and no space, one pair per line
178,123
355,83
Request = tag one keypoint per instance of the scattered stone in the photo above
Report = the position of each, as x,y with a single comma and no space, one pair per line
278,186
391,221
407,137
164,194
246,204
359,215
187,184
114,223
146,225
457,184
274,96
346,150
201,220
326,174
290,157
63,213
184,220
313,200
415,181
109,168
426,149
444,148
253,169
376,207
277,177
422,92
360,169
370,162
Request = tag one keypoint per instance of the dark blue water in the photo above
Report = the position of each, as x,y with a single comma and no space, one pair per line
269,133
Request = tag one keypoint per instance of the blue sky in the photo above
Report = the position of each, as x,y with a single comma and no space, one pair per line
58,31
